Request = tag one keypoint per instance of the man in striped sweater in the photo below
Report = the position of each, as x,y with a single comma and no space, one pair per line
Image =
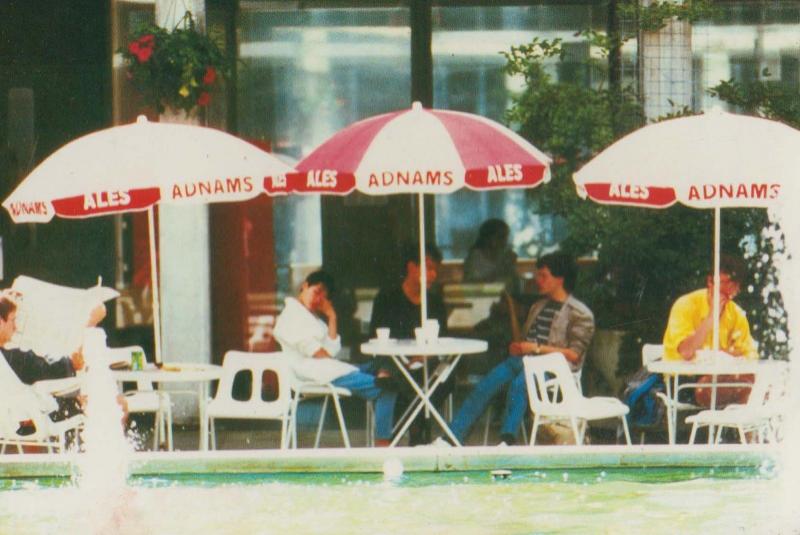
557,322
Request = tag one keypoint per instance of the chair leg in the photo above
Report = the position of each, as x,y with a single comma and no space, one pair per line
157,429
535,429
575,433
693,434
340,416
284,430
295,404
626,430
488,424
213,433
321,422
168,425
742,435
370,424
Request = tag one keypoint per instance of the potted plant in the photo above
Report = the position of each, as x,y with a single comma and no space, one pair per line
178,69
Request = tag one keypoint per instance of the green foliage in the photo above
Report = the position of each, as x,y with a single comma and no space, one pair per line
654,16
177,69
642,259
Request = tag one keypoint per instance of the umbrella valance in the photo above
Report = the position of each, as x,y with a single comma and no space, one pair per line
714,160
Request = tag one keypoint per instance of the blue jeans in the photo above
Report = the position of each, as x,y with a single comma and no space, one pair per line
508,371
363,385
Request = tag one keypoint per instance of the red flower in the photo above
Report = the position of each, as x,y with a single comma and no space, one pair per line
142,48
210,75
203,99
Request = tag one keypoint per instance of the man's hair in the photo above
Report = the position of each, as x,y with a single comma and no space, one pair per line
322,277
733,266
410,253
7,306
560,265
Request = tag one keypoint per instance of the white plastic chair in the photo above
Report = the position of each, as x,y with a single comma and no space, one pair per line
146,399
306,390
652,353
20,402
553,395
761,414
253,407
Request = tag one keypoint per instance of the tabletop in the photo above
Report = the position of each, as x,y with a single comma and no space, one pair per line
410,347
183,372
716,366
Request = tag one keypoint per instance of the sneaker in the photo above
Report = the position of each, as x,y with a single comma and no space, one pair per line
415,365
507,440
441,442
503,444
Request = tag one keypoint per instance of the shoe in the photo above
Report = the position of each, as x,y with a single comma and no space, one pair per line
507,440
441,442
387,382
503,444
415,365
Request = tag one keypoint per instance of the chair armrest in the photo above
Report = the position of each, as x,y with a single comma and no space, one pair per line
58,387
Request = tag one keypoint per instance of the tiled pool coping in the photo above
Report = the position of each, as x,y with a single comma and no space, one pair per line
419,459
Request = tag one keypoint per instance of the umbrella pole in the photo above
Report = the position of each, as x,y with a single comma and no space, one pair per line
716,311
423,271
151,228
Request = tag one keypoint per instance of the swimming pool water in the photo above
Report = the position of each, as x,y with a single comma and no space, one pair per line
707,501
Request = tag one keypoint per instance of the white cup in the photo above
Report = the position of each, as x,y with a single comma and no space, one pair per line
382,333
420,335
431,328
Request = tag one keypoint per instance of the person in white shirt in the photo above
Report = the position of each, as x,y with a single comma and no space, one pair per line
308,334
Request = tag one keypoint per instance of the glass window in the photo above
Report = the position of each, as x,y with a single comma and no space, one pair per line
469,76
303,75
749,41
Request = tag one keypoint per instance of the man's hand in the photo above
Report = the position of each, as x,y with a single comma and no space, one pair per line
96,315
723,300
321,354
77,360
326,307
519,349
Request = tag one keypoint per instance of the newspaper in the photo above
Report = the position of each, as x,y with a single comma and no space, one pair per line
51,319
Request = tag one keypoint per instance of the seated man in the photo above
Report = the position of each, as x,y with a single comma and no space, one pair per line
690,328
557,322
398,308
311,345
31,367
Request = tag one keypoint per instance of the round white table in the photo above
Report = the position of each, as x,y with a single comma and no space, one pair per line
448,352
183,372
672,370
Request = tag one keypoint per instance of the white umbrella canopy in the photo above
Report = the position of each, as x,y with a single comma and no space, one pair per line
132,167
715,160
136,166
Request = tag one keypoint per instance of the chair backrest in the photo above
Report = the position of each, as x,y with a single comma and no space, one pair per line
769,386
256,365
550,384
651,353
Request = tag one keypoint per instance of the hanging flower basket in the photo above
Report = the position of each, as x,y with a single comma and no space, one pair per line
176,69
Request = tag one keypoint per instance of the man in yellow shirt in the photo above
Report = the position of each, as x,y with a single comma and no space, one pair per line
691,323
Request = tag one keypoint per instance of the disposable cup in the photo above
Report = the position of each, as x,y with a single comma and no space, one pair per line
382,333
420,335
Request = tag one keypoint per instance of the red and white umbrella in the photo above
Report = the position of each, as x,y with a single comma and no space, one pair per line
418,151
136,166
714,160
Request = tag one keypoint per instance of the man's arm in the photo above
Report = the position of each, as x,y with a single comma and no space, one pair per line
30,367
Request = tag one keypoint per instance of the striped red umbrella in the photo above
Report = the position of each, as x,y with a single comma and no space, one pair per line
417,151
